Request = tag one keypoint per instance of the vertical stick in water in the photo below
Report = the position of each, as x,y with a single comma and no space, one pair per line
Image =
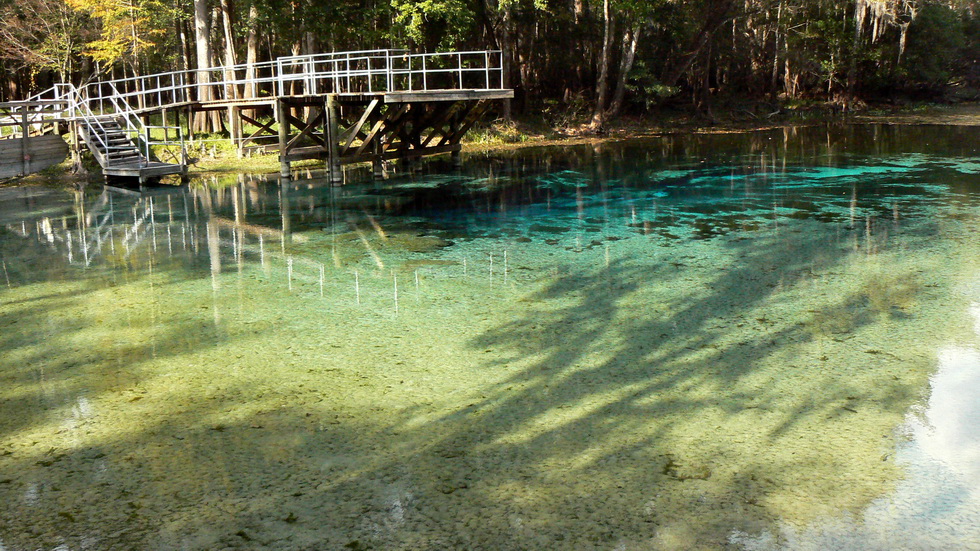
289,271
394,279
416,285
357,288
491,269
505,266
321,280
5,274
464,265
261,251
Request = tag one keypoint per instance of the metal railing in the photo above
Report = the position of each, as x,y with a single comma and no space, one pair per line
390,70
34,115
97,115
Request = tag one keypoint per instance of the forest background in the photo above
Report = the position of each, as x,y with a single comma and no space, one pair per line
568,60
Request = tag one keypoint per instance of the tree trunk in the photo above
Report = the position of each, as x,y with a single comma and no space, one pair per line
719,13
202,121
506,58
185,47
602,86
231,90
860,11
252,52
630,41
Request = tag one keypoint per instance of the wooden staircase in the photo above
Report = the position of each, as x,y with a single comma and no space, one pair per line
118,155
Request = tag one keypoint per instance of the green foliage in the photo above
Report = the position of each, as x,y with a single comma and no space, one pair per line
936,40
497,132
124,28
645,85
434,24
688,51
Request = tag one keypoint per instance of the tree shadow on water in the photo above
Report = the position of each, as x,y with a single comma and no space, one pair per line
655,403
665,402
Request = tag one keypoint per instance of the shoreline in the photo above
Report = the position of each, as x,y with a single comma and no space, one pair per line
967,114
624,128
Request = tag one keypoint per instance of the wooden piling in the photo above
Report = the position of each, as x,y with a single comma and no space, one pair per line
283,121
332,137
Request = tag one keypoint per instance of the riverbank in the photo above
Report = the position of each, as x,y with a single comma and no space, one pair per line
508,136
504,136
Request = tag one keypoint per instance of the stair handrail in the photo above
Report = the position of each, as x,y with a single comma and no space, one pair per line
134,125
81,109
139,130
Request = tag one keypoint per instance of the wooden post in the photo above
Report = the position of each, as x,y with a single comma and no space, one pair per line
190,124
25,158
76,147
281,113
235,128
456,155
378,161
333,154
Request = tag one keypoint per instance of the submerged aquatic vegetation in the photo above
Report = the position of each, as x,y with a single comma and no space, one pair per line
295,365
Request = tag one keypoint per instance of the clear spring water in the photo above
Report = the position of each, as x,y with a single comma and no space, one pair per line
758,341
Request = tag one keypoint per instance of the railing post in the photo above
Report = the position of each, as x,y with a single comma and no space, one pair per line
501,54
425,82
278,76
312,76
408,72
347,67
369,75
459,65
486,67
390,77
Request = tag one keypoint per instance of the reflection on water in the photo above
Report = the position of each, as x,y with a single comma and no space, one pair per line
759,341
937,504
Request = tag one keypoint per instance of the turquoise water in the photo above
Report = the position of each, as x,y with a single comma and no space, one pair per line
757,341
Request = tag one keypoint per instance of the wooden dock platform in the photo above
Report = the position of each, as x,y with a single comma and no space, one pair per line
342,107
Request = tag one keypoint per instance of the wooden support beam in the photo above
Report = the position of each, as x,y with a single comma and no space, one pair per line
474,115
264,130
391,117
439,125
396,129
235,128
354,131
306,128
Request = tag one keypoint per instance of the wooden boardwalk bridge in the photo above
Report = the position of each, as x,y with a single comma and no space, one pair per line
342,107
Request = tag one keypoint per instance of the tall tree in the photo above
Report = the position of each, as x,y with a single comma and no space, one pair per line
204,121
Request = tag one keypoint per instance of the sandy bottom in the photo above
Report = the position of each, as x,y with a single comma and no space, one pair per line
605,389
